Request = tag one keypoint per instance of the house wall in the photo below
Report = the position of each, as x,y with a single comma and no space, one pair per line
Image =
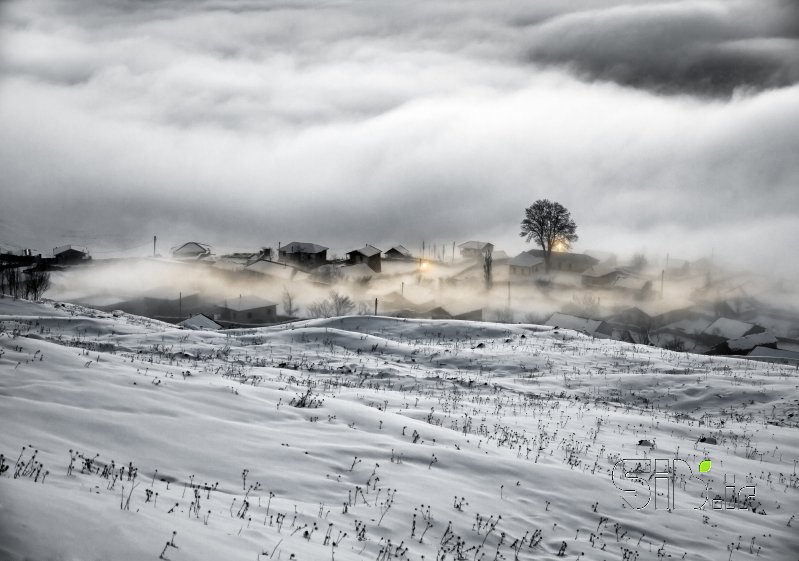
518,271
304,259
266,314
469,253
70,256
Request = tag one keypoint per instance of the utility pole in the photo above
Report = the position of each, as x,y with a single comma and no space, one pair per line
154,240
402,289
662,276
375,306
180,305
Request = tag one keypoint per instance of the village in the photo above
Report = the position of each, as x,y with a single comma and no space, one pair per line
676,304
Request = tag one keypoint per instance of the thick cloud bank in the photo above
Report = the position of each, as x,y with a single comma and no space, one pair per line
665,126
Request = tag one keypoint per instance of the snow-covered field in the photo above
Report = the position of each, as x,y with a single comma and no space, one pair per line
417,440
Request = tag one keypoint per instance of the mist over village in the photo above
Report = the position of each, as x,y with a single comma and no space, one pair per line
445,280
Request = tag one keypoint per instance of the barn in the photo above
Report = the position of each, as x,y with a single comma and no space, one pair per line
191,250
247,310
68,255
303,254
398,253
367,255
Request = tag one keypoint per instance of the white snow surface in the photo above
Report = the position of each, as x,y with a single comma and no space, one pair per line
424,440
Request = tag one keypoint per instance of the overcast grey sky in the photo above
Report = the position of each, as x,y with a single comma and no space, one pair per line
662,125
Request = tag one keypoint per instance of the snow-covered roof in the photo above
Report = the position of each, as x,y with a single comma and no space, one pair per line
302,247
600,270
728,328
273,269
200,321
401,250
366,251
191,248
243,303
751,341
480,246
692,326
776,354
630,283
524,259
566,321
62,248
499,254
565,256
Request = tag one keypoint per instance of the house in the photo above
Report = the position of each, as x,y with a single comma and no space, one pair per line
694,326
245,258
600,275
525,265
593,327
475,250
744,345
68,255
368,255
732,328
632,316
639,288
780,356
355,273
191,250
276,270
565,261
398,252
303,254
247,310
200,322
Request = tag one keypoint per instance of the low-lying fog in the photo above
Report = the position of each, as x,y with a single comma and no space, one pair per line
458,287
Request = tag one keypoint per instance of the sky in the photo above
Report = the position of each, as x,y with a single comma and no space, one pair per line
663,126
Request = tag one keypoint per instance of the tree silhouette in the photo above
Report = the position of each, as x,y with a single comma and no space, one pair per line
550,224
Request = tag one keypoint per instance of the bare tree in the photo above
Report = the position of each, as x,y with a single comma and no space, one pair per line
288,303
12,282
37,283
336,304
341,304
550,225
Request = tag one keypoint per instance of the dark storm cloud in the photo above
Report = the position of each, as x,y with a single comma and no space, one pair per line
350,122
699,47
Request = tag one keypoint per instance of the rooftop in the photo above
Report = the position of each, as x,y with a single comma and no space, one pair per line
302,247
243,303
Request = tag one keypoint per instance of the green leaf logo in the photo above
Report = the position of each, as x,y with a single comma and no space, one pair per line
704,466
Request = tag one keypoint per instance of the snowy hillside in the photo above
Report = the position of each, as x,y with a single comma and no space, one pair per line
377,438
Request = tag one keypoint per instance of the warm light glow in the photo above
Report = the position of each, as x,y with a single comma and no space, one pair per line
560,246
423,266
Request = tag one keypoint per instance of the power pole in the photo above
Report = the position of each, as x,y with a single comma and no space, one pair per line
154,240
375,306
